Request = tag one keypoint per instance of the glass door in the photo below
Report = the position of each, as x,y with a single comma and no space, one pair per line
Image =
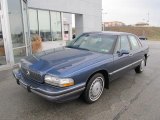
2,44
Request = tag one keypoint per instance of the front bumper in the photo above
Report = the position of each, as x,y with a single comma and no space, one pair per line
55,94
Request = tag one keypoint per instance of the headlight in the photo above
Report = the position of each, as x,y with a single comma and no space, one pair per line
61,82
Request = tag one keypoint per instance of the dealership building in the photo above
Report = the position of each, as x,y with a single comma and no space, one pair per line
30,26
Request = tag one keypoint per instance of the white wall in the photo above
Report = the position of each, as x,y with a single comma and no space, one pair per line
89,18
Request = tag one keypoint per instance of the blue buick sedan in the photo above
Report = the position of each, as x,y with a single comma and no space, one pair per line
83,68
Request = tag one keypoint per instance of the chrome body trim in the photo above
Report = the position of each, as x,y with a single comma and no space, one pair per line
125,67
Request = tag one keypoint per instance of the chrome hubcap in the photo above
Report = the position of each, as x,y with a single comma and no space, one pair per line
96,88
142,65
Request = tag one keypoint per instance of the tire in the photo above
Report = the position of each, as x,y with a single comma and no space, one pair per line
140,68
94,88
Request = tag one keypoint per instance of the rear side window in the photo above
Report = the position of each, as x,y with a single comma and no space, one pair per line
124,43
134,42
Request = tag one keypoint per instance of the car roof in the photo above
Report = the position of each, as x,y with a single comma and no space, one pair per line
109,33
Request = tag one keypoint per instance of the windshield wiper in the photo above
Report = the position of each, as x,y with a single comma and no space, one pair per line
77,48
72,47
83,49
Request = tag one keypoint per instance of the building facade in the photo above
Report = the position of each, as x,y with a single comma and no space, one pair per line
113,24
30,26
142,24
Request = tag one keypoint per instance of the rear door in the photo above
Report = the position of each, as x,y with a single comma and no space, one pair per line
121,63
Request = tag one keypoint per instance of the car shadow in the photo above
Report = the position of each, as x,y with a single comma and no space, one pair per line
19,103
78,109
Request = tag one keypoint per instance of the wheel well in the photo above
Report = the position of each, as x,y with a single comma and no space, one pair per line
106,77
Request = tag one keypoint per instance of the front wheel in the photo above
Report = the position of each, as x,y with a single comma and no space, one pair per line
140,68
94,88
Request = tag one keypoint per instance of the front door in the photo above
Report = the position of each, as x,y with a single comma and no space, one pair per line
121,63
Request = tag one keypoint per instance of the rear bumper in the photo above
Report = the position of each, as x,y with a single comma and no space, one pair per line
48,92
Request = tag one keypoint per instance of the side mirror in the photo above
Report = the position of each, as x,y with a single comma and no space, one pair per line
122,52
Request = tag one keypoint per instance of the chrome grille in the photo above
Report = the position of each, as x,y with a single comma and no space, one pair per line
31,74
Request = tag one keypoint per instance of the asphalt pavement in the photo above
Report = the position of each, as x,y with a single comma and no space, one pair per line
131,97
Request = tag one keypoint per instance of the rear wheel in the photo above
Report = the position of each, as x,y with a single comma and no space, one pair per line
140,68
94,88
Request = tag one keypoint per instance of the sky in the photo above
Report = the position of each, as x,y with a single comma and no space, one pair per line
131,11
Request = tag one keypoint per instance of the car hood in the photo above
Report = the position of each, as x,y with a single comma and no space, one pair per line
63,61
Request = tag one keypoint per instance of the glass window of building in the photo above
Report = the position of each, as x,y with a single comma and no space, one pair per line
19,54
17,29
2,48
33,21
16,24
44,25
56,26
36,41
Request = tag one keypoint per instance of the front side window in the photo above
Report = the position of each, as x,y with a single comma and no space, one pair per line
95,42
134,42
124,43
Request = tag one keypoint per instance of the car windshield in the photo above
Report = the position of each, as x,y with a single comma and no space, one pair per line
94,42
